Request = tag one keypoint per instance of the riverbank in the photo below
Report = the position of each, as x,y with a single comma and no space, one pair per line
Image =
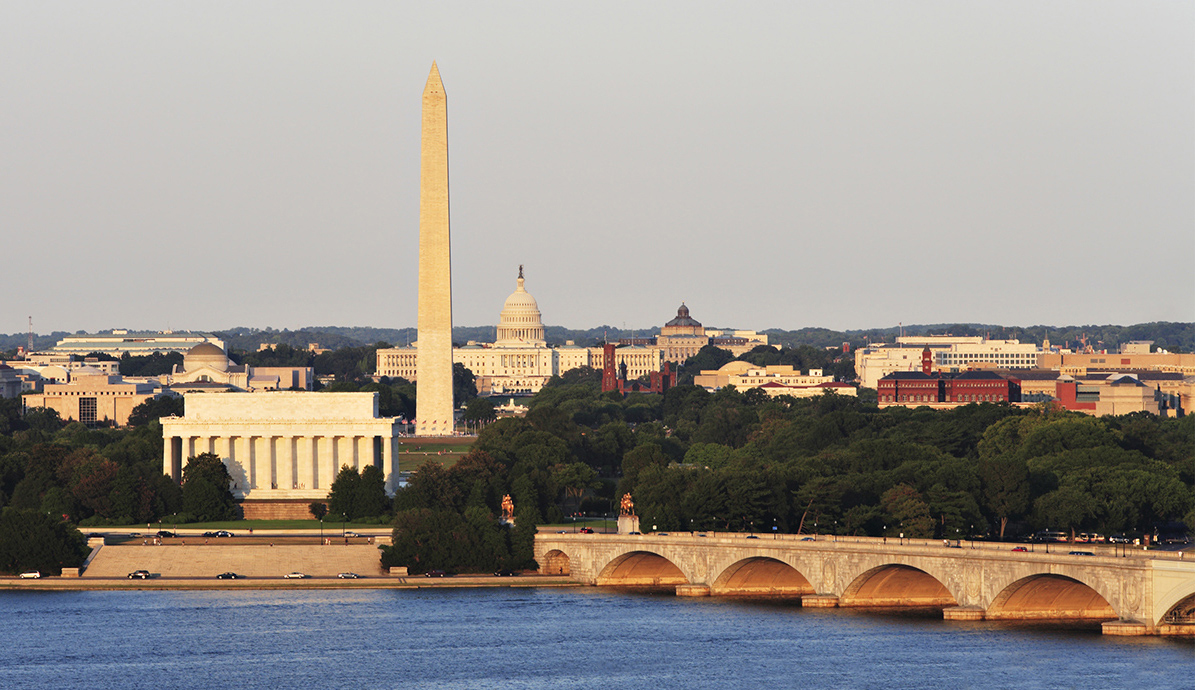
279,583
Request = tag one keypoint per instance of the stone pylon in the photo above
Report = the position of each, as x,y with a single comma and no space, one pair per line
433,404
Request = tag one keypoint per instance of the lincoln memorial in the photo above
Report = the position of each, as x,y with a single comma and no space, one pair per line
282,448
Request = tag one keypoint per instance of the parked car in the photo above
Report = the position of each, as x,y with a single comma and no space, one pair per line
227,576
30,575
435,573
1119,539
348,576
586,530
295,576
139,575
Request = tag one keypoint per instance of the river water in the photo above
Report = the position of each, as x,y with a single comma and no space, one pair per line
541,638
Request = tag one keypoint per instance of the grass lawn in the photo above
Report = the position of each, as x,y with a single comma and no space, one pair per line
414,453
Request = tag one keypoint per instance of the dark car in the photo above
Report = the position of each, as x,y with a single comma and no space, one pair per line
752,536
227,576
586,530
224,533
94,535
1119,539
139,575
1081,553
639,533
435,573
165,534
209,534
503,573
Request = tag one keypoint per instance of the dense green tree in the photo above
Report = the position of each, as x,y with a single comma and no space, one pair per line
43,419
464,384
480,410
342,496
1005,485
206,494
371,498
156,408
32,540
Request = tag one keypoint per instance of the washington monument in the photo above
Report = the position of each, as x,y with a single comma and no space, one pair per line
433,398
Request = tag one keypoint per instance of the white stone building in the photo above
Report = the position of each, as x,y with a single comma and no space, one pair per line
282,447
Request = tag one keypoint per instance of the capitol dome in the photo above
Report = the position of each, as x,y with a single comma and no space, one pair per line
520,320
205,355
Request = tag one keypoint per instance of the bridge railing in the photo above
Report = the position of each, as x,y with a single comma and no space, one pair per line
1052,548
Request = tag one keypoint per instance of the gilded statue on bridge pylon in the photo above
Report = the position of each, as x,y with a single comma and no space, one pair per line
627,507
508,508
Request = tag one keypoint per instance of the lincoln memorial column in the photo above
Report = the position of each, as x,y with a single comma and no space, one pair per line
243,452
285,453
388,468
327,461
168,458
361,450
304,461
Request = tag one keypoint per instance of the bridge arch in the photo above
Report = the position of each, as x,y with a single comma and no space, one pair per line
641,569
1182,613
1049,595
761,576
1179,602
556,562
895,584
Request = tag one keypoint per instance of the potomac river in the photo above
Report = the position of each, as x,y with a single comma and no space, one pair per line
541,638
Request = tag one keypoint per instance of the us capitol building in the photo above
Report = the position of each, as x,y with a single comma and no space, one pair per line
520,362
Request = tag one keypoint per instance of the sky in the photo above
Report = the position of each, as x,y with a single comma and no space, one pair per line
770,164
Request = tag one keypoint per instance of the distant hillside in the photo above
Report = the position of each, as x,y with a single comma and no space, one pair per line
1170,335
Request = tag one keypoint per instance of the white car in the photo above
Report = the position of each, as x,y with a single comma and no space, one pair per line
31,575
294,576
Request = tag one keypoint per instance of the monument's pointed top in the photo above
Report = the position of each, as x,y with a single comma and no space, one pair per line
434,85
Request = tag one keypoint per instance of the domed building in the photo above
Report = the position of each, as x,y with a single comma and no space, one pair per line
206,367
205,355
519,361
520,324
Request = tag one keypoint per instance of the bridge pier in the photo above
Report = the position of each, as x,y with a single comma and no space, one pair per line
1124,628
819,601
963,613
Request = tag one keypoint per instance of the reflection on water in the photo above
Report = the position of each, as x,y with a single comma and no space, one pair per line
533,638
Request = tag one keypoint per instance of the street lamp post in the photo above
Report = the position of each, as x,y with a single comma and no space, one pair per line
321,531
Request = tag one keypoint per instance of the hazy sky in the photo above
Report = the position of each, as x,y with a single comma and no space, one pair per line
788,164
